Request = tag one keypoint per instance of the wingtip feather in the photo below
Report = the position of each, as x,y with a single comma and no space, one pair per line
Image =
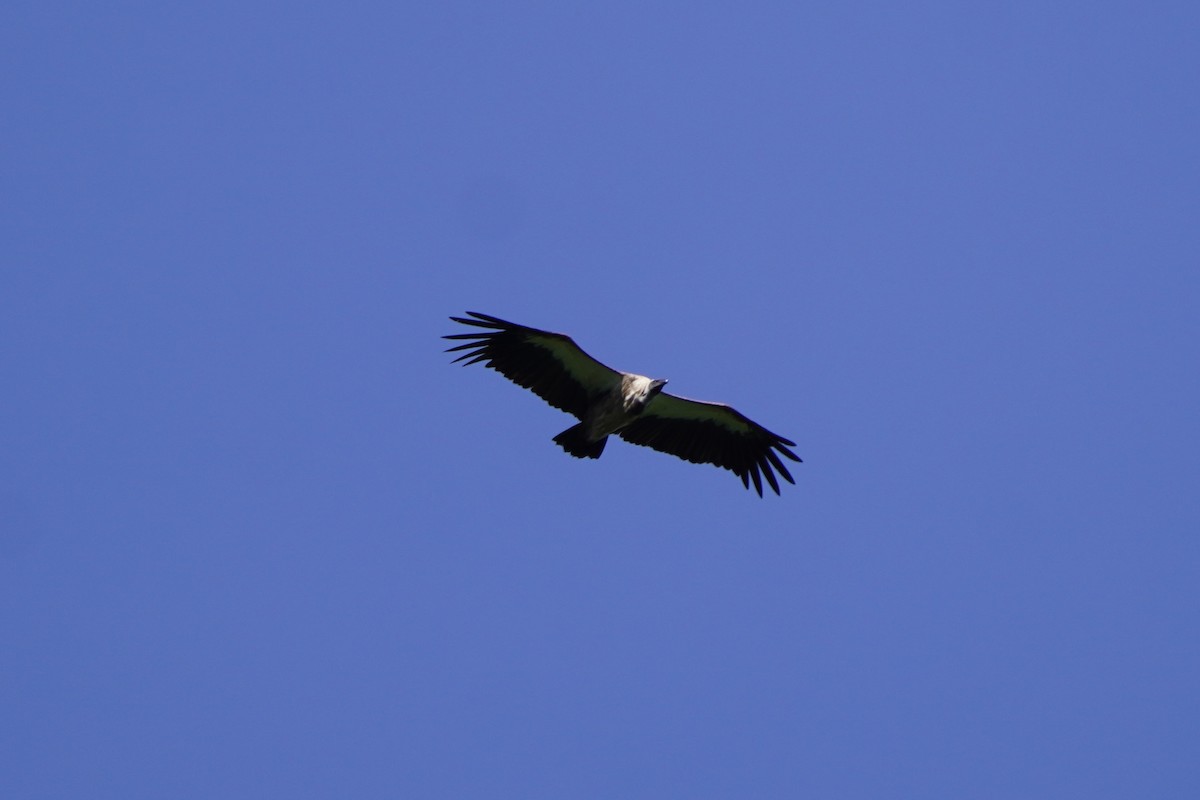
769,475
756,478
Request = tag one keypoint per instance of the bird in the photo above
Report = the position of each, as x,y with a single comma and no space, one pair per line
633,407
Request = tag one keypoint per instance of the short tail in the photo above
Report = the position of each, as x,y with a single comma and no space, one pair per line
575,442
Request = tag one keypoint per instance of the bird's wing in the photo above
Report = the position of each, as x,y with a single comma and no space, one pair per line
549,364
712,433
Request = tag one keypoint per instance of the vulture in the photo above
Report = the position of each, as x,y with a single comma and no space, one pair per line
633,407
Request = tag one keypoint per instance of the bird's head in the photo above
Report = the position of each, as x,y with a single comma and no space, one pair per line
640,390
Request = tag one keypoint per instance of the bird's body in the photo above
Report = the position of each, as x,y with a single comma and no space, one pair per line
613,407
633,407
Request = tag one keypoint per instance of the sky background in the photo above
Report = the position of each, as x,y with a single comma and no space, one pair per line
258,538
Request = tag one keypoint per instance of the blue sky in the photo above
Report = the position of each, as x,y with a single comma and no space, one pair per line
258,538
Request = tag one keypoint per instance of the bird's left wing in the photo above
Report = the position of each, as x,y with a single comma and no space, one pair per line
551,365
712,433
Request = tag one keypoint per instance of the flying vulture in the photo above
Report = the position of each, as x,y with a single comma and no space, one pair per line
633,407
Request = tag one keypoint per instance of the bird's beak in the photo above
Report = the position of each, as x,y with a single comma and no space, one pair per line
659,383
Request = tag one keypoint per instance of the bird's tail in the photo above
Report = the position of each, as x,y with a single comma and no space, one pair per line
575,442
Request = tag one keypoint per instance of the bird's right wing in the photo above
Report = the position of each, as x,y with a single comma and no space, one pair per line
712,433
551,365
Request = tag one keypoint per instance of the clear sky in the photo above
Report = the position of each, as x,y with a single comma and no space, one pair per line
258,538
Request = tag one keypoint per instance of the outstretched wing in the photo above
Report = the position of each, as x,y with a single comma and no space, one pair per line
549,364
712,433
